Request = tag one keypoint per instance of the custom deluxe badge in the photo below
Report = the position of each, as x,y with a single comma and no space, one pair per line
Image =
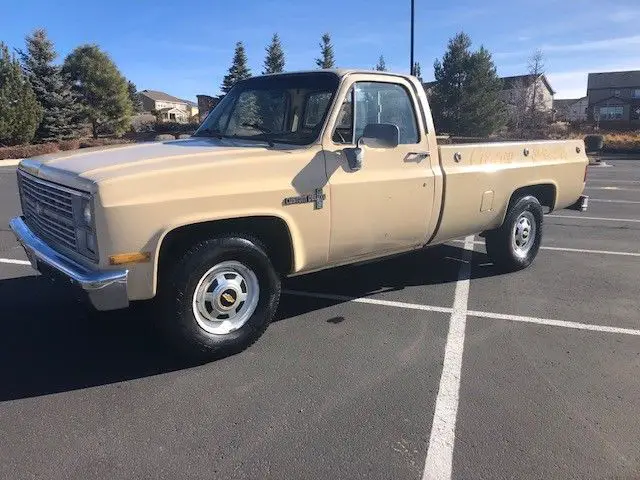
317,198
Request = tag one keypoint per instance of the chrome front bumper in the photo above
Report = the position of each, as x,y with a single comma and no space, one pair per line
105,289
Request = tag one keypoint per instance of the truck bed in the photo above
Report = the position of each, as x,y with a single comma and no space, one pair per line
480,178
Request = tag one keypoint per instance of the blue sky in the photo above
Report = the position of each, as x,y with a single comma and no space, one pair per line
184,48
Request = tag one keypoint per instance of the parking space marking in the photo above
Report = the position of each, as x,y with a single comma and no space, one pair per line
584,250
371,301
576,250
554,323
439,461
15,262
607,180
605,219
604,200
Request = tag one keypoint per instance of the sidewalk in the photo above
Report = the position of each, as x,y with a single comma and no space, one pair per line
10,162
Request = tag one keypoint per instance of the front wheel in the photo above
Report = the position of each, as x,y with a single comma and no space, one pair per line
220,297
515,244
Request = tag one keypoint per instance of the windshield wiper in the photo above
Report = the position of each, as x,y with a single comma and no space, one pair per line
208,132
265,133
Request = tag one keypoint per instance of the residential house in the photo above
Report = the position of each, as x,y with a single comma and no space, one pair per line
571,109
519,91
614,99
167,107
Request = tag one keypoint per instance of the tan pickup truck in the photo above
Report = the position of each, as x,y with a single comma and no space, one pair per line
289,174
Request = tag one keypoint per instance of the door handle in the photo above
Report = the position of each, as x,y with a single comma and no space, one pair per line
417,156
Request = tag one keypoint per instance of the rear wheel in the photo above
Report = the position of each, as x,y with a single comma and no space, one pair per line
515,244
220,297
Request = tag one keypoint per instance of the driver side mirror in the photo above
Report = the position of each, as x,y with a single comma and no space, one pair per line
375,135
380,135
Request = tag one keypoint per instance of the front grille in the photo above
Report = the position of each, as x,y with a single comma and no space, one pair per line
48,209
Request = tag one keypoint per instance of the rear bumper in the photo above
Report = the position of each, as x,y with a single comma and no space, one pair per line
105,289
581,204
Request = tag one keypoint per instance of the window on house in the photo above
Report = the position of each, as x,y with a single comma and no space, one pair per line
616,93
611,113
172,116
636,93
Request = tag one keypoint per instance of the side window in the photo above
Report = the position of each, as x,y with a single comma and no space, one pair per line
385,103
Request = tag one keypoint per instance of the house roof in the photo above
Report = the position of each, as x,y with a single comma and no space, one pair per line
511,82
161,96
565,102
627,79
170,109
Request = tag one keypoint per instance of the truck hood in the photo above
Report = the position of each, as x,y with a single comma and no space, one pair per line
91,166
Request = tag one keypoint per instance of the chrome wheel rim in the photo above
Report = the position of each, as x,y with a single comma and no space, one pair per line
523,234
225,297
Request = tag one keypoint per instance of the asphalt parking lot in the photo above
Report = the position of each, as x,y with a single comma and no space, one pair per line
429,365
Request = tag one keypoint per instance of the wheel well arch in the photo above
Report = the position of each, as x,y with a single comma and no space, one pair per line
546,193
273,232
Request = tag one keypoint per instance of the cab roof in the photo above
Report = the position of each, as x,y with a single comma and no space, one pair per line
339,72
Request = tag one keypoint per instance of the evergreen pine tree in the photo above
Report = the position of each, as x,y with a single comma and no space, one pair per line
465,99
416,71
101,89
134,97
381,66
274,61
238,70
484,110
20,112
60,111
326,59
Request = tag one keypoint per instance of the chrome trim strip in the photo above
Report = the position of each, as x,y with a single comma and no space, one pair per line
106,289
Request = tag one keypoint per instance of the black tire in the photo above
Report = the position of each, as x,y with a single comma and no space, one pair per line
177,292
500,242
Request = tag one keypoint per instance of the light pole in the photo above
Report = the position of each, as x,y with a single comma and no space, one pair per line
412,26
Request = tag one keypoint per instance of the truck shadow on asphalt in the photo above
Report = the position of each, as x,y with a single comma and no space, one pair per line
51,343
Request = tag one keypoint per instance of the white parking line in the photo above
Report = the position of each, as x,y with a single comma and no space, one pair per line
482,314
15,262
439,461
605,219
606,180
371,301
555,323
611,201
576,250
583,250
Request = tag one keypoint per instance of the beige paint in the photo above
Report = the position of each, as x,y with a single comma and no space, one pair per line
144,191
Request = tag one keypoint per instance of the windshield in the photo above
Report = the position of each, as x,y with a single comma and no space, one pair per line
280,108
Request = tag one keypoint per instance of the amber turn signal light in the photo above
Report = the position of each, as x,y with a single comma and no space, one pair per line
135,257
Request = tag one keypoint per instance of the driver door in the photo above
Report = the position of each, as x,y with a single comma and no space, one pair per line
384,207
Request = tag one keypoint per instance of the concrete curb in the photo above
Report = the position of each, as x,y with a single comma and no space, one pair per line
10,162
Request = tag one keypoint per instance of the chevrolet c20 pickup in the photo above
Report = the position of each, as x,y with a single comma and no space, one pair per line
289,174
